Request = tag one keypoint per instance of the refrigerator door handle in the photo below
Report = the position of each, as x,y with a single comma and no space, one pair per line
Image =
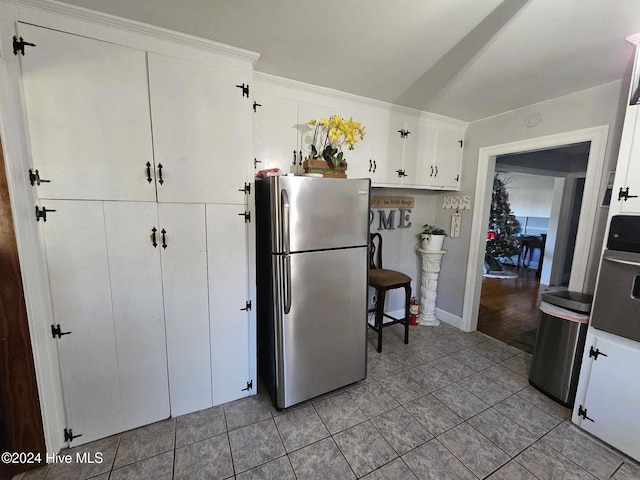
286,247
285,228
287,283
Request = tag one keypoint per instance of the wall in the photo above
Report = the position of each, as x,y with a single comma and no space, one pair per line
603,105
398,250
529,195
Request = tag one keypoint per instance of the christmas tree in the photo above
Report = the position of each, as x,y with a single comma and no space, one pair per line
502,242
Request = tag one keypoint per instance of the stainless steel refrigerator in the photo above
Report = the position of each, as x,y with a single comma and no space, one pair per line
312,243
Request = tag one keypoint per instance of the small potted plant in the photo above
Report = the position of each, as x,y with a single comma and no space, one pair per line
431,238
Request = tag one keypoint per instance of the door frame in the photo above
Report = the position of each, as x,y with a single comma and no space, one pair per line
484,185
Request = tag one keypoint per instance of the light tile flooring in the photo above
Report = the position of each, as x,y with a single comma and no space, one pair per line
450,405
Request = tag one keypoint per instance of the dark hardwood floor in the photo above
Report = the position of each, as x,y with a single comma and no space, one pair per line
509,309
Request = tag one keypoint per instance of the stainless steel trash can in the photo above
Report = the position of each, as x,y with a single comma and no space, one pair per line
557,354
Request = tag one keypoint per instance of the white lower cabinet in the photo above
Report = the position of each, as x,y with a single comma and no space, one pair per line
78,267
228,303
154,296
184,280
609,391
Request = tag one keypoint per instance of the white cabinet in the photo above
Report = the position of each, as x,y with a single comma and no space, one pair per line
628,167
447,160
147,250
609,390
275,133
184,280
106,292
229,304
87,108
200,125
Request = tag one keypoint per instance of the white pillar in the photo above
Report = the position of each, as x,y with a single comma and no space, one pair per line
431,261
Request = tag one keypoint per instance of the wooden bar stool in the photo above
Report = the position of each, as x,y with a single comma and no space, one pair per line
383,280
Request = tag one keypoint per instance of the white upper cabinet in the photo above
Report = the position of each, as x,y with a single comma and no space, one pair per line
87,108
360,159
200,126
388,151
628,165
419,151
275,133
448,159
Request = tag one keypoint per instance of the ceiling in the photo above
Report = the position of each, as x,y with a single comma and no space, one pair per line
460,58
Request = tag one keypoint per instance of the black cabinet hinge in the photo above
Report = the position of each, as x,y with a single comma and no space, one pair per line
56,331
256,162
19,44
247,216
404,133
594,352
34,178
401,173
249,386
246,189
245,89
69,436
582,412
247,306
255,105
625,194
42,214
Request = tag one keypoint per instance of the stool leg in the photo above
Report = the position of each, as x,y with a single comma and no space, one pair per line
407,299
380,316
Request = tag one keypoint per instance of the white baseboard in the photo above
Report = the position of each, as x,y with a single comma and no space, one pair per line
449,318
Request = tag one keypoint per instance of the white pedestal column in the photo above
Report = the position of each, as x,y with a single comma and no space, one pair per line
431,261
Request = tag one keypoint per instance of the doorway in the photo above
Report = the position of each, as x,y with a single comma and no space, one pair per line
545,191
586,241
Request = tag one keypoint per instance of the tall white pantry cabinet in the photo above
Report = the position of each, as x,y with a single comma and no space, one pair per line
139,162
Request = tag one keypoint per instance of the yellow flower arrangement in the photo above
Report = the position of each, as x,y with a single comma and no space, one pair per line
331,135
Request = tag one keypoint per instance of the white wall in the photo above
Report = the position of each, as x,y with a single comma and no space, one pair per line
603,105
399,245
529,195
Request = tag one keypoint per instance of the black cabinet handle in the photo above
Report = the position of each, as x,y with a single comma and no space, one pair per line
161,181
436,170
295,157
153,237
149,172
374,166
370,166
164,238
431,171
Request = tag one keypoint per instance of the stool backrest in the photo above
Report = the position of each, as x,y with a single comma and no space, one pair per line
375,250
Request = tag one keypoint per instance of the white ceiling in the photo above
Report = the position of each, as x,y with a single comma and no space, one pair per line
460,58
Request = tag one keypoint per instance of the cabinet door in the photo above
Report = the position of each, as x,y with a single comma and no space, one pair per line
612,394
275,133
419,156
631,141
184,280
448,159
360,159
388,152
136,293
87,109
228,294
200,127
77,260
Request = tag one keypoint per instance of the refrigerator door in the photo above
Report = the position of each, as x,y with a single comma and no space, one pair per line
319,213
321,341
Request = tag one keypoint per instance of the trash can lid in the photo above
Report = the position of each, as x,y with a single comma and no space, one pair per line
580,302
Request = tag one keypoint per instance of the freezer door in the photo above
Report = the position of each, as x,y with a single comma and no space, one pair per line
321,344
319,213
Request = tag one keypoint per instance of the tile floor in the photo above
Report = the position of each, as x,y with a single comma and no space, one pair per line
450,405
